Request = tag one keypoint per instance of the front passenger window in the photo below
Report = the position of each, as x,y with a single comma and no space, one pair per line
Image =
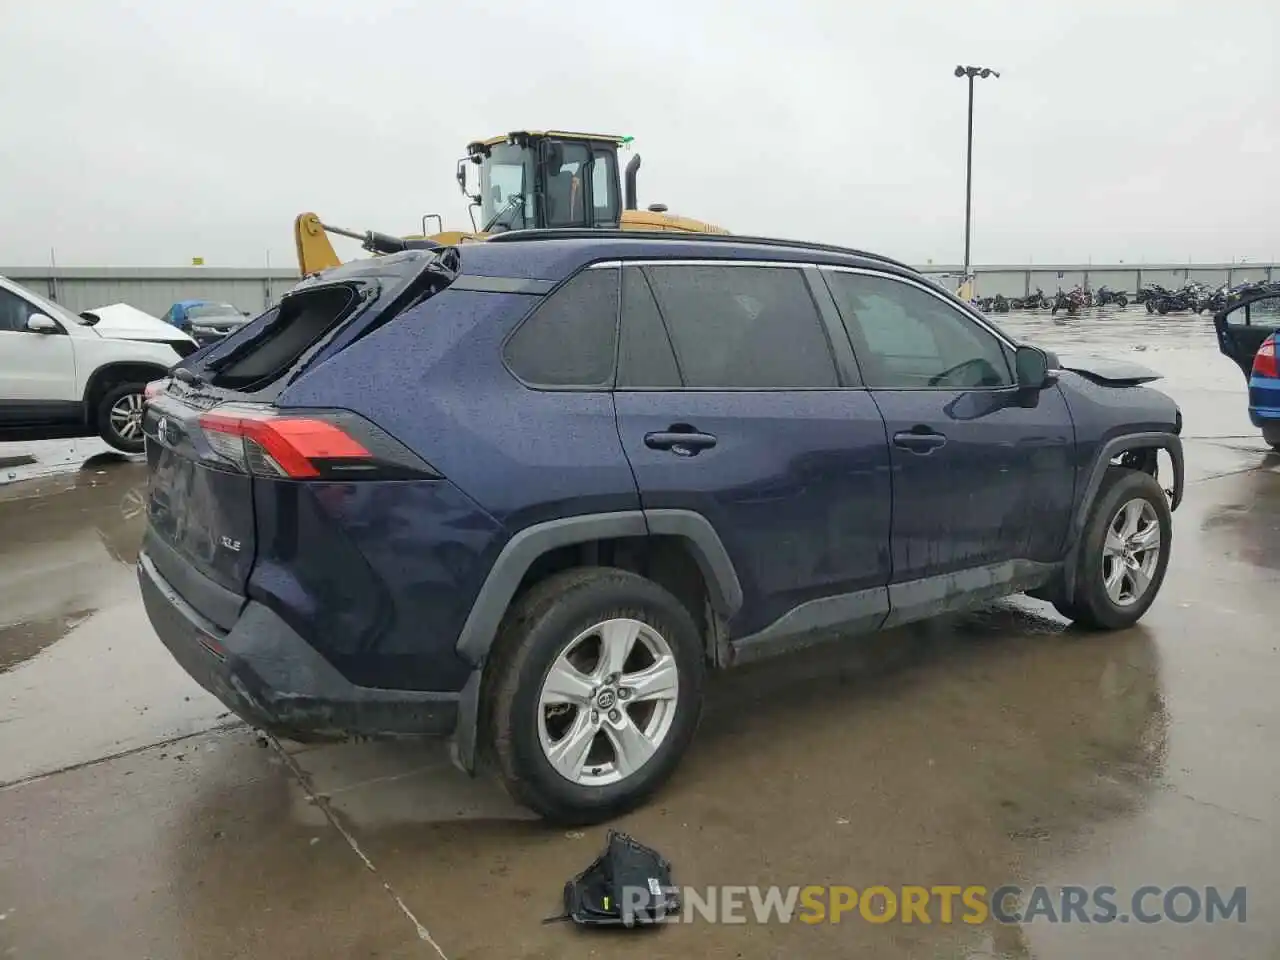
907,339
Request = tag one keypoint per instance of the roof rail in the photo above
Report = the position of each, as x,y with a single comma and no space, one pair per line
596,233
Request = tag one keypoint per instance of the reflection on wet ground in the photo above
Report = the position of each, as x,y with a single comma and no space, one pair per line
995,747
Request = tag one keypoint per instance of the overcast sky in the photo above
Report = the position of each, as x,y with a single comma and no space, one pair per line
148,133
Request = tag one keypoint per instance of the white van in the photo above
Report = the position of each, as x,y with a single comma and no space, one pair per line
66,375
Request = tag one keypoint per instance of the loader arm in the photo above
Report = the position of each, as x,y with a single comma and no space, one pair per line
315,252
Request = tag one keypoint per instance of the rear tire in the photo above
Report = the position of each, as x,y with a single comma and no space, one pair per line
552,633
1122,302
1101,560
1271,434
119,417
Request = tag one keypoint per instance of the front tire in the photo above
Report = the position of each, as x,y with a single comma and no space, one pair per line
1124,552
596,691
119,417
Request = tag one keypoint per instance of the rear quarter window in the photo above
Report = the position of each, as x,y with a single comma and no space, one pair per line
570,339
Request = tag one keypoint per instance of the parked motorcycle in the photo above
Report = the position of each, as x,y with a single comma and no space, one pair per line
1032,301
1000,303
1151,293
1070,302
1178,300
1106,296
1212,300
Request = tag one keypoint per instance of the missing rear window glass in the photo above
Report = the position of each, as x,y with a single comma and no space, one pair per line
303,321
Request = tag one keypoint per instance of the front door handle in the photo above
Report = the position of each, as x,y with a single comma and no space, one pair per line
679,442
919,440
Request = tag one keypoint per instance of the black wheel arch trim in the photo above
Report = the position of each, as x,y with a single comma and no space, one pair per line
1169,442
158,370
526,546
708,550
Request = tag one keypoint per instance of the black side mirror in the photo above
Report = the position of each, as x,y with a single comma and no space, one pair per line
1035,367
552,155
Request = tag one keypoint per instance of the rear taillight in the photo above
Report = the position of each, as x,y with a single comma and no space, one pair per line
334,445
1264,361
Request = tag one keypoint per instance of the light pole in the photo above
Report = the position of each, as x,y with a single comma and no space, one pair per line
970,73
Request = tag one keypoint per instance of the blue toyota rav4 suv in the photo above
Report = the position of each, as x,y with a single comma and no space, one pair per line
526,492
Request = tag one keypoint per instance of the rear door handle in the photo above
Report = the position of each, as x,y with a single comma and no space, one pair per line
919,441
678,442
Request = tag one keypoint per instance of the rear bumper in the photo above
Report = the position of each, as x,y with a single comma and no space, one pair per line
272,678
1264,400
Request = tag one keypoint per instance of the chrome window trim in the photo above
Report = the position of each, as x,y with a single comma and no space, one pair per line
715,262
959,307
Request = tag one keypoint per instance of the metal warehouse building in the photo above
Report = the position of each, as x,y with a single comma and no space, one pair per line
154,289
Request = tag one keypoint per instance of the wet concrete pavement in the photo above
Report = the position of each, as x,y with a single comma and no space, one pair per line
999,747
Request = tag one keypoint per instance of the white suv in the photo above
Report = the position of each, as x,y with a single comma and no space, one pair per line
66,375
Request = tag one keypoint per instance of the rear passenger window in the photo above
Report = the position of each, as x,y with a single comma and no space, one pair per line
645,357
569,341
740,327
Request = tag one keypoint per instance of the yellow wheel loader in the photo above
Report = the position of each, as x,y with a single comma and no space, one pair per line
528,179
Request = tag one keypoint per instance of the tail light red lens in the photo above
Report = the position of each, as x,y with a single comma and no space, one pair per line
280,446
1264,361
324,445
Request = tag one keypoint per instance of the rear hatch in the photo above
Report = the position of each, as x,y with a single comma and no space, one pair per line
212,426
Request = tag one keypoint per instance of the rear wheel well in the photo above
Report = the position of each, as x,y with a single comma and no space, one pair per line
666,560
108,377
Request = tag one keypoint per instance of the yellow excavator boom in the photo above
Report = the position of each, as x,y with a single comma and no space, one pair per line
315,252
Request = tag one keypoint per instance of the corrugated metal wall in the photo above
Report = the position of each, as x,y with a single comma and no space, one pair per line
1018,281
154,289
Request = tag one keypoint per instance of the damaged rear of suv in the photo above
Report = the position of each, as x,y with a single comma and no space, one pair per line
527,492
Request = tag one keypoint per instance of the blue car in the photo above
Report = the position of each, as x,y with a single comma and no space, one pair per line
527,492
206,320
1246,328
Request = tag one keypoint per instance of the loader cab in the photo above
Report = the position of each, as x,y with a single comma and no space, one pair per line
531,180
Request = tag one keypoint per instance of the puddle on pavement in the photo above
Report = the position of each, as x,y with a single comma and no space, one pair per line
65,534
20,642
922,755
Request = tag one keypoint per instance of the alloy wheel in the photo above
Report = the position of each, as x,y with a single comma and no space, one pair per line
126,416
1131,552
607,702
